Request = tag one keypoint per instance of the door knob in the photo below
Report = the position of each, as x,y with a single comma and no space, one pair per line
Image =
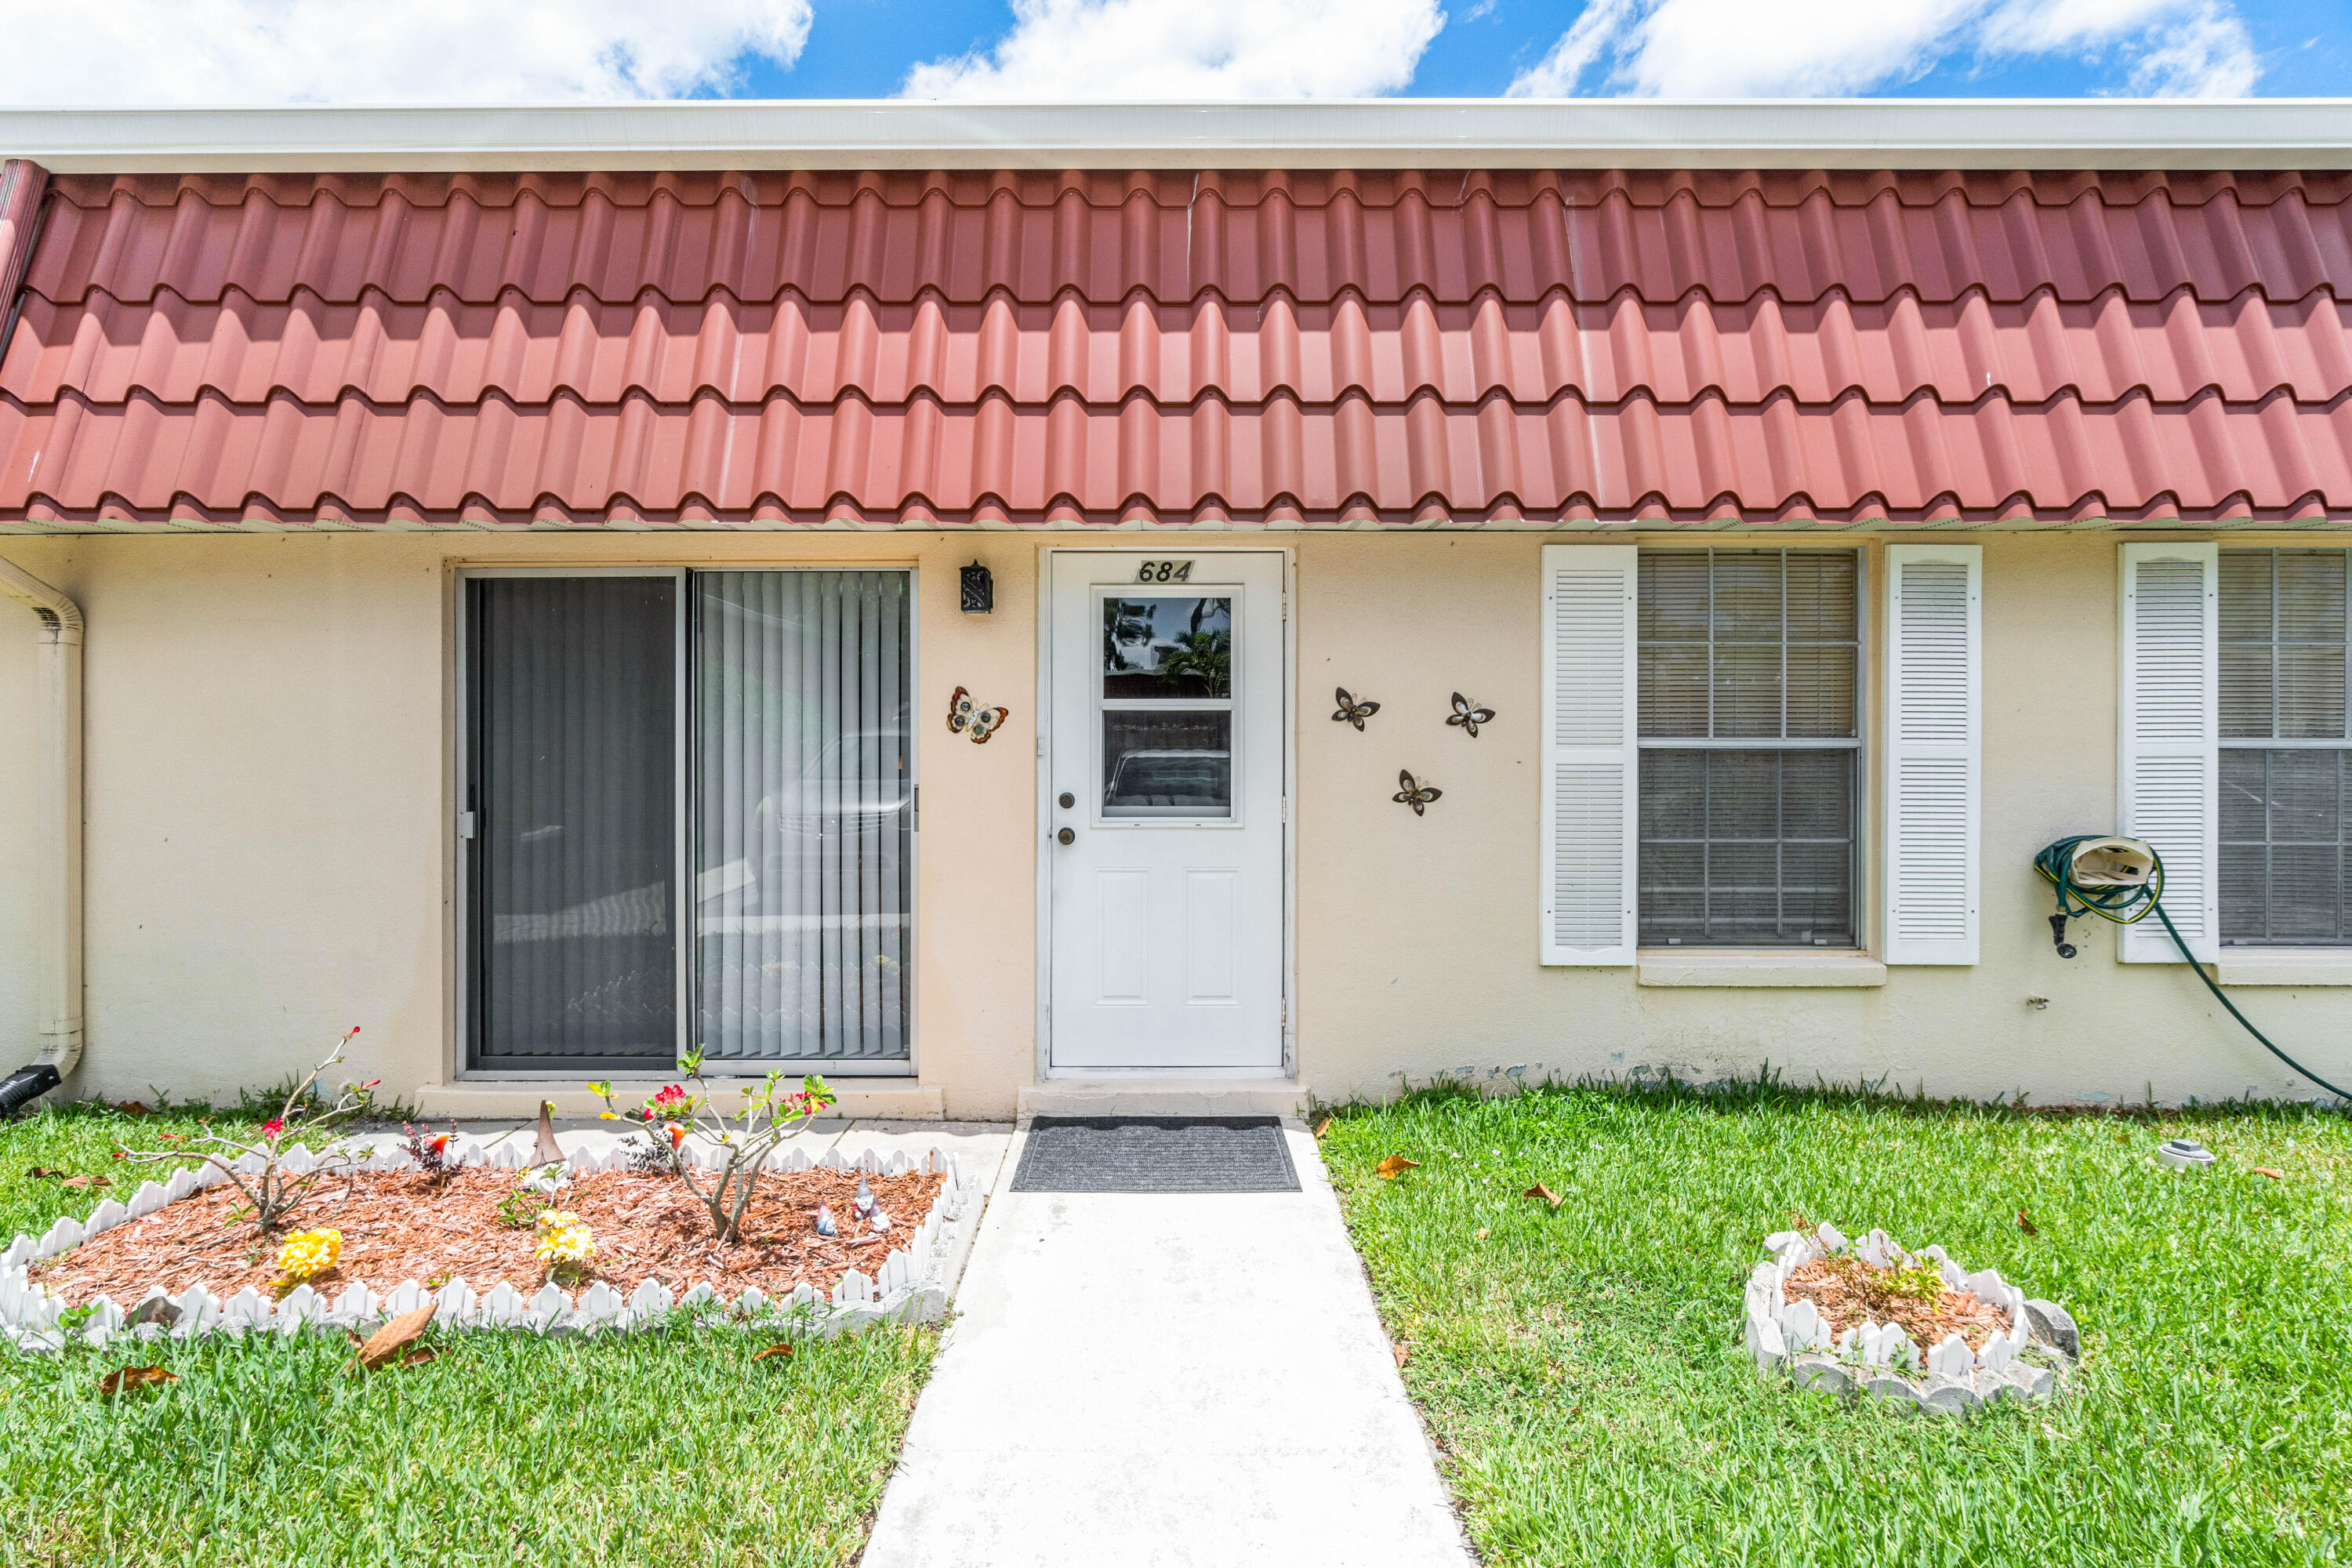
1068,800
1067,837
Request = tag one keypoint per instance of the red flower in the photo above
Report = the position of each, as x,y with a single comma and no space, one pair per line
272,1128
441,1143
676,1136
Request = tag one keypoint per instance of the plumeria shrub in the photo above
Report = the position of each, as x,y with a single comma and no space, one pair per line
271,1191
745,1139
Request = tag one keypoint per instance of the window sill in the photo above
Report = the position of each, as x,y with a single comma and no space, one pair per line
1753,967
2284,966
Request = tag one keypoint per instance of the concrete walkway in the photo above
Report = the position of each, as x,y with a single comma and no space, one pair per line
1181,1380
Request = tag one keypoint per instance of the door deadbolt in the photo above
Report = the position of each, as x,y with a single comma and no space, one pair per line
1068,800
1067,837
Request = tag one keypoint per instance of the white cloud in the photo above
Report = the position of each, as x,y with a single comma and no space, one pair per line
1770,48
357,51
1596,27
2206,54
1192,48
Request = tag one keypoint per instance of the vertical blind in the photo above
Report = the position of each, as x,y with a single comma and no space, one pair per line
803,817
573,748
1748,682
2286,755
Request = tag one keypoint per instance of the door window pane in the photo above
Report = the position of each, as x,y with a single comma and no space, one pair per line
571,745
1168,647
1161,761
804,861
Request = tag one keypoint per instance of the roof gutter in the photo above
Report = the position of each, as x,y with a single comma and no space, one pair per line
58,631
1417,133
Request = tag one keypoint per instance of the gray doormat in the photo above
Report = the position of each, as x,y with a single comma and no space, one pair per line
1155,1154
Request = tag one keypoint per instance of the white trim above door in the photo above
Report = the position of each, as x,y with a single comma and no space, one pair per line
1164,896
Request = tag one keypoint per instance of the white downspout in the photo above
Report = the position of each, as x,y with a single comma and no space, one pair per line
58,881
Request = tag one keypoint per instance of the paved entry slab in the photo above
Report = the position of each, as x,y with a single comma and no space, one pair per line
1166,1379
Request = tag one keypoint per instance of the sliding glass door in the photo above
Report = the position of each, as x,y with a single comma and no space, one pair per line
803,820
796,861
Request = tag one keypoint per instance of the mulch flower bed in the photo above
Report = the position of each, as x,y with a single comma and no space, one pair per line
403,1224
1848,1293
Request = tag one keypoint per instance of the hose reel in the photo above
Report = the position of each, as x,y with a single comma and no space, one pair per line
2121,880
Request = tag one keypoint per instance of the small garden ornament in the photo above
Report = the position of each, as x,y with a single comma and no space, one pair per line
744,1139
271,1191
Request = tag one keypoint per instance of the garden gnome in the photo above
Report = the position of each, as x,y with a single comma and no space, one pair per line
862,1206
824,1225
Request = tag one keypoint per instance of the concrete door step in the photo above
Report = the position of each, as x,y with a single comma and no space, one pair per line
1163,1097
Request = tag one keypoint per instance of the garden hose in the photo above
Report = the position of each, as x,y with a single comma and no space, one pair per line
2127,902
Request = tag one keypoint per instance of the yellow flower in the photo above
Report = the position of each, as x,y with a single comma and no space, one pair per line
309,1253
563,1238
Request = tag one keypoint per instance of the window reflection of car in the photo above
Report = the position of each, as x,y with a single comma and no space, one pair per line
814,820
1171,781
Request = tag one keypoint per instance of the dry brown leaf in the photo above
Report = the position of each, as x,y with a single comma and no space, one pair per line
1481,1234
2025,1222
83,1184
132,1107
1322,1127
395,1336
134,1377
1396,1165
2259,1171
1401,1352
772,1350
42,1173
418,1355
1546,1194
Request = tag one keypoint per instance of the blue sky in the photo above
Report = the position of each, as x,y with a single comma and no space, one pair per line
863,48
167,51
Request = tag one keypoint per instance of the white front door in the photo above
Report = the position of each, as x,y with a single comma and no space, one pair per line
1164,781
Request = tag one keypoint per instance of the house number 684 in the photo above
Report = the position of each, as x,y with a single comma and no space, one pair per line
1164,571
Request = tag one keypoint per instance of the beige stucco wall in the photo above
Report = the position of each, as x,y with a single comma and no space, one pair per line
270,796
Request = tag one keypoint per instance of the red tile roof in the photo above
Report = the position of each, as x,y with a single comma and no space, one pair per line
757,349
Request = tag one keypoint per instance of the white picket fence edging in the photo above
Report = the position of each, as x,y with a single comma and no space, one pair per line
1879,1359
901,1290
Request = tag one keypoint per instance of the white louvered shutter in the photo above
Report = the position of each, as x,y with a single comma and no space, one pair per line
1934,659
2169,758
1591,768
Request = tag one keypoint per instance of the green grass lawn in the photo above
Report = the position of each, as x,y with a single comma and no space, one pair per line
649,1449
1584,1373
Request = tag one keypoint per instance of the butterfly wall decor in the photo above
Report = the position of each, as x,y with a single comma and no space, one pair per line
1415,795
1469,716
965,715
1350,711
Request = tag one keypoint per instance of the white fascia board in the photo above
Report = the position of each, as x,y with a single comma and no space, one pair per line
1480,133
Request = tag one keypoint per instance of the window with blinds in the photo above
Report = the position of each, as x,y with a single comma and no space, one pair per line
1750,746
2286,754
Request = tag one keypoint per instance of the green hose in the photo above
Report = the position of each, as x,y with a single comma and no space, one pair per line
2129,905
